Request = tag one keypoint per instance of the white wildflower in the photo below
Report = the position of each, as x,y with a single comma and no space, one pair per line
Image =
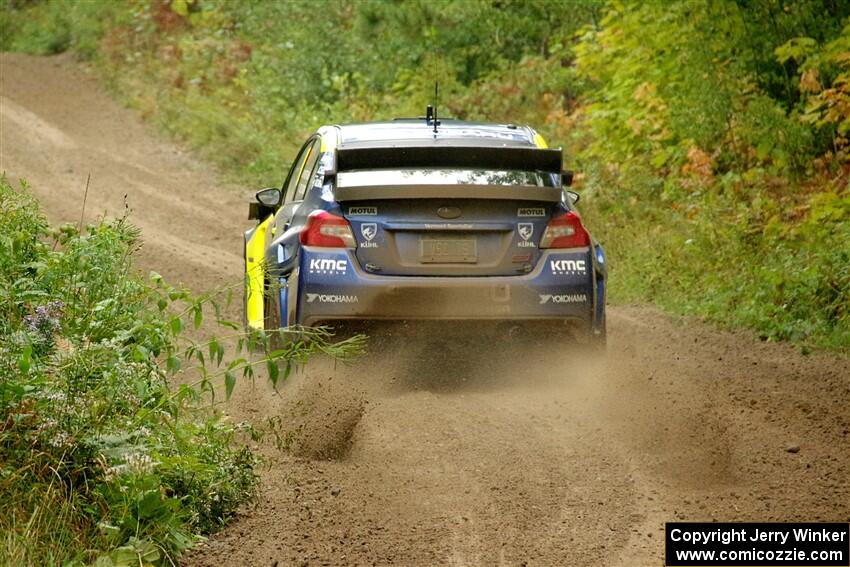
139,463
60,439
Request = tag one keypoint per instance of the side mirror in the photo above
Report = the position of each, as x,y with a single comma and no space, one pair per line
566,178
573,197
267,201
269,197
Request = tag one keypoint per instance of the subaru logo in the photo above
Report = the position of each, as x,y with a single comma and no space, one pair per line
448,212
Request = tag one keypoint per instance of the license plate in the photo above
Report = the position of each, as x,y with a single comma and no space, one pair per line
448,249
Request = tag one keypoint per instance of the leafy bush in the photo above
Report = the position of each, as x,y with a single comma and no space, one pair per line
102,459
719,183
52,27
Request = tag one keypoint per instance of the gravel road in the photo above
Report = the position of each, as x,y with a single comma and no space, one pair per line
441,448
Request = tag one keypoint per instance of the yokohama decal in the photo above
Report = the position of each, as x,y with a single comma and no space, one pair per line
331,298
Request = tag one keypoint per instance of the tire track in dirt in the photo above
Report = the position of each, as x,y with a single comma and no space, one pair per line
458,450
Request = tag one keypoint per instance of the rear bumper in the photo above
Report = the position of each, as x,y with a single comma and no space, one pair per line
332,286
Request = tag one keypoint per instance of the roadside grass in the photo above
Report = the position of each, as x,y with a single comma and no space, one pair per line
110,451
786,281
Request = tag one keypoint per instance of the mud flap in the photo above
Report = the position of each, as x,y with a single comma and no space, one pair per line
599,325
255,246
287,294
283,302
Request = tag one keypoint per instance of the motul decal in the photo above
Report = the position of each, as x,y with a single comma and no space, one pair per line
531,212
362,211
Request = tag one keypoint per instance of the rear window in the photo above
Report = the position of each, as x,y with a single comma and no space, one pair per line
396,177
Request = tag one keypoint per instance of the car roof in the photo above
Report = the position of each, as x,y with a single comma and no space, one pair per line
418,132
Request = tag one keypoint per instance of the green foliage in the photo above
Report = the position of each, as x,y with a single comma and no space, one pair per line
717,178
746,265
244,82
104,458
53,27
693,74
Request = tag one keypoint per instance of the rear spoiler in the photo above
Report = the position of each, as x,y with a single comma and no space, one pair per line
513,192
462,157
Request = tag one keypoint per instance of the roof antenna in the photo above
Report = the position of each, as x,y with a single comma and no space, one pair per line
436,100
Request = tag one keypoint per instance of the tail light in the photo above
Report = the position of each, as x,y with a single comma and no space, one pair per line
565,231
328,231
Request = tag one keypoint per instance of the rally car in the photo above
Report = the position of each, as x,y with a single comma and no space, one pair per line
416,219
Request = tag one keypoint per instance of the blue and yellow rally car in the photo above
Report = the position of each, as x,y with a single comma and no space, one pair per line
415,219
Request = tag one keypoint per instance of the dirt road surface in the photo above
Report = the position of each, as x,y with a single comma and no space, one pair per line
456,450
